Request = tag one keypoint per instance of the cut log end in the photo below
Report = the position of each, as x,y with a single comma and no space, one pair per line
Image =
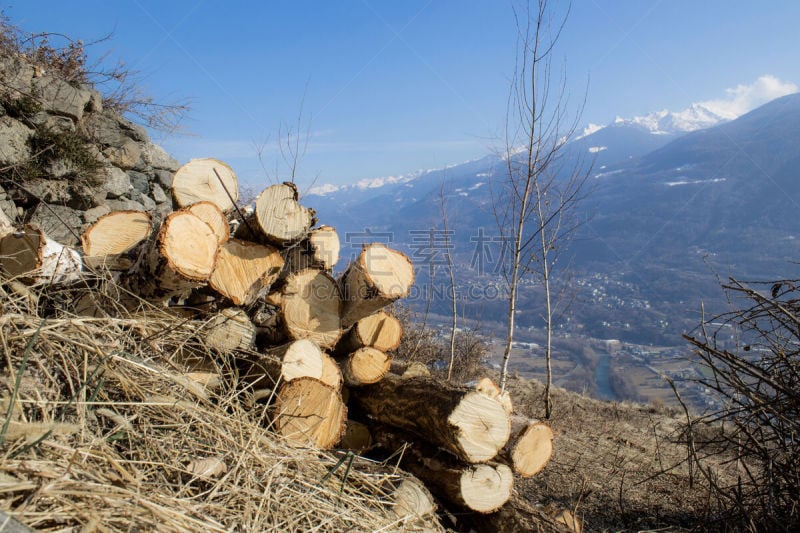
310,308
212,215
365,366
206,180
412,499
331,373
483,426
229,330
278,215
381,330
112,236
309,413
245,270
532,449
37,259
302,358
486,488
189,246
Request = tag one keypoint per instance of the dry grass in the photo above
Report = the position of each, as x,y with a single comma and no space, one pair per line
620,466
104,430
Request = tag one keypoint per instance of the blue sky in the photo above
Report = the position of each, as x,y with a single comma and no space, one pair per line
388,87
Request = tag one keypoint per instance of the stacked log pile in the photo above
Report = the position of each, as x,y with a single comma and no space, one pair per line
308,348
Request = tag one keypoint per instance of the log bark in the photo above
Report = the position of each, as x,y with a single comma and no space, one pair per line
470,425
182,257
331,373
197,181
309,413
319,250
364,366
212,215
115,238
405,370
378,277
34,258
310,308
284,363
278,217
518,515
380,330
244,271
482,488
230,330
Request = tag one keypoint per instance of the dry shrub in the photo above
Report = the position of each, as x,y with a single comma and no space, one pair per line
751,358
103,427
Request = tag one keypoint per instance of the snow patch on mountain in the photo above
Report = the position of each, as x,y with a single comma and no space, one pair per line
705,114
595,149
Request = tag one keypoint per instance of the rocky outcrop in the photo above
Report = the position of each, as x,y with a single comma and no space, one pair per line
65,160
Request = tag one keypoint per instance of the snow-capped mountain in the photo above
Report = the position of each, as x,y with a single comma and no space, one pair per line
666,122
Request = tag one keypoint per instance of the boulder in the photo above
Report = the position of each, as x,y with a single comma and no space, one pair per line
159,159
59,222
126,156
61,98
116,182
14,137
139,181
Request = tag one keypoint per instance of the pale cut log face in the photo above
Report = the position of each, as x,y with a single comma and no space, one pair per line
381,331
310,413
326,246
486,488
280,215
114,234
214,217
368,365
390,271
483,426
312,308
533,450
303,358
196,181
244,270
190,246
411,499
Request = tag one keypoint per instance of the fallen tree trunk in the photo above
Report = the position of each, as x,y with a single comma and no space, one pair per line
310,308
530,446
319,250
112,241
244,271
284,363
278,217
205,180
380,330
28,254
470,425
364,366
378,277
182,257
309,413
483,488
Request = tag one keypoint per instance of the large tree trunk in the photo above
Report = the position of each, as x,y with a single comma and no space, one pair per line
284,363
364,366
310,308
378,277
309,413
319,250
381,330
206,180
483,488
211,214
38,260
245,271
278,218
182,258
472,426
113,240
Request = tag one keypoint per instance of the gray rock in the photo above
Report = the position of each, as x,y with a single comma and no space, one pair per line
47,190
126,156
59,97
59,222
95,103
158,158
140,181
148,203
52,122
90,216
165,178
122,205
158,193
7,205
105,129
83,196
116,182
14,137
17,75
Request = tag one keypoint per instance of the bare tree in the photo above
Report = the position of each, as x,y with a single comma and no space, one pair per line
541,188
451,274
